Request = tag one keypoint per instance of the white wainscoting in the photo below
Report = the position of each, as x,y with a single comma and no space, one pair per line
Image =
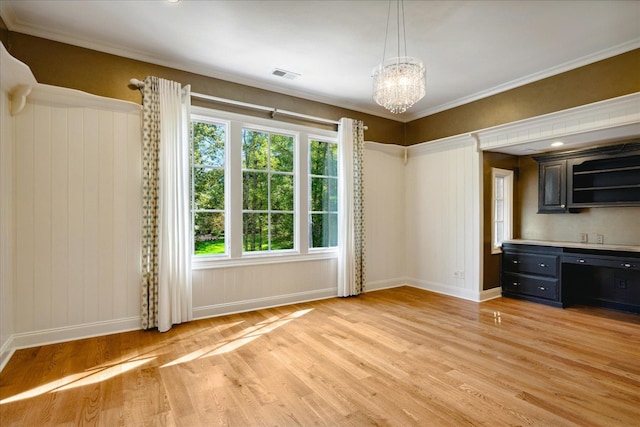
225,290
78,216
384,203
443,184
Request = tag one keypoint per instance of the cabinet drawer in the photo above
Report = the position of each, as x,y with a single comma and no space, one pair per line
622,263
530,263
533,286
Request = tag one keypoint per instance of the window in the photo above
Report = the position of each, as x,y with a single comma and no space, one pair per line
323,200
501,207
267,191
208,187
262,191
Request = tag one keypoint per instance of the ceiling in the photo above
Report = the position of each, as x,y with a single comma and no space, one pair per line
471,49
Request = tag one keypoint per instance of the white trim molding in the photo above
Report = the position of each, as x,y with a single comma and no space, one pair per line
611,119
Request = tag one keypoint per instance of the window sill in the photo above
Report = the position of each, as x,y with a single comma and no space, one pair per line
211,262
496,251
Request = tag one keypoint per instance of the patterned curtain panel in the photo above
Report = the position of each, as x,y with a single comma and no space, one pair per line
351,231
150,188
167,245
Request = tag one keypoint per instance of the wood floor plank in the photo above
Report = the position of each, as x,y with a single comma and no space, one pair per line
400,356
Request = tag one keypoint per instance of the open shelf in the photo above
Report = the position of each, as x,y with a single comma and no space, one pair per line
611,187
621,169
604,180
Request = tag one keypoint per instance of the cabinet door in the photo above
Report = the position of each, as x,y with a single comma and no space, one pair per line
552,187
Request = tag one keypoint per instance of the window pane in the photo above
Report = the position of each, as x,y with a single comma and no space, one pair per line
208,228
208,187
255,235
333,194
282,153
499,210
254,191
255,147
499,187
324,230
281,231
208,144
499,234
324,158
282,192
319,194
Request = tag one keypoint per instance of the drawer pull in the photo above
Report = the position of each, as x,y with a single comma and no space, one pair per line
581,261
515,261
542,264
516,283
626,265
542,288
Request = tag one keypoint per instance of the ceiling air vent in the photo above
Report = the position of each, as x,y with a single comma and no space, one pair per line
285,74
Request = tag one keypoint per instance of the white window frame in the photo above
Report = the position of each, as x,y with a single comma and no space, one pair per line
507,208
225,211
234,255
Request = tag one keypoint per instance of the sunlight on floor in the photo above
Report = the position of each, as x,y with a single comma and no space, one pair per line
239,339
78,380
124,364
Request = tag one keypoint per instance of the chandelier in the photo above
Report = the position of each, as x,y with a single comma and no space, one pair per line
398,82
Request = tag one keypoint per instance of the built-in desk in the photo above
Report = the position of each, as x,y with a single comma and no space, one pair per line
563,274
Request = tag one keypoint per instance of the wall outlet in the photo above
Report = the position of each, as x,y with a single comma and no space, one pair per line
600,238
584,238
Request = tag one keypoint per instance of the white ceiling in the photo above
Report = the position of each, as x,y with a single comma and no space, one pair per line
472,49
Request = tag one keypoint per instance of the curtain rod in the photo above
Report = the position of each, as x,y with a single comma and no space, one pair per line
138,84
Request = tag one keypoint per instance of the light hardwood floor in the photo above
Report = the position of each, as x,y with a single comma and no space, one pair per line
395,357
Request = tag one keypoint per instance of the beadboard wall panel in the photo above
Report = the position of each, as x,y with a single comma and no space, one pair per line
442,194
78,215
233,289
384,215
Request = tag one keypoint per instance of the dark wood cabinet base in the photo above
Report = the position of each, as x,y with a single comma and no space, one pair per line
561,276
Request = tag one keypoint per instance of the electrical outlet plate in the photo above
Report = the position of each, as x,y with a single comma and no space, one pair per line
584,238
600,238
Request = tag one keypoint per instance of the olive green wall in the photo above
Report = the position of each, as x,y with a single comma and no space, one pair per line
491,262
108,75
609,78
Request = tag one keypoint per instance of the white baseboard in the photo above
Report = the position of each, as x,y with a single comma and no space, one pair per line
448,290
6,351
67,333
261,303
379,285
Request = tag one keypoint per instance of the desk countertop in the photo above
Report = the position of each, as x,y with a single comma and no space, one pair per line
596,246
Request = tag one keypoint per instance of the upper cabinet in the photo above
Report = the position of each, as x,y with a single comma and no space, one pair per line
603,176
552,186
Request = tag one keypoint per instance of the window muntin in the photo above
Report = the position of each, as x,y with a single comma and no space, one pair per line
501,208
208,160
323,194
268,191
